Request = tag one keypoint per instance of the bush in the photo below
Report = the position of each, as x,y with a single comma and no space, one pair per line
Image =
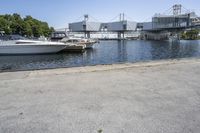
190,35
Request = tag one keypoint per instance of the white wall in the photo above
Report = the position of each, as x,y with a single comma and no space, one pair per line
147,26
131,26
93,26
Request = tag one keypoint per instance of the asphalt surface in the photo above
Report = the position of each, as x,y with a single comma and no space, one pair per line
152,97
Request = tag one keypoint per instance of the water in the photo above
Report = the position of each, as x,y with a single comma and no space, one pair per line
106,52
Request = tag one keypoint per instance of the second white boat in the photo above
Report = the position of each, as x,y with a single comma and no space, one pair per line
89,43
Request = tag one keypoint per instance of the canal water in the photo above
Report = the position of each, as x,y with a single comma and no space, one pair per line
106,52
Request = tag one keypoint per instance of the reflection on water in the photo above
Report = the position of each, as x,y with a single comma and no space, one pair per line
106,52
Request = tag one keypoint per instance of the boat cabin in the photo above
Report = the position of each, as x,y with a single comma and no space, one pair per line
58,35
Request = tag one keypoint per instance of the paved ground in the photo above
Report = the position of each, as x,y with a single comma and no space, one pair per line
154,97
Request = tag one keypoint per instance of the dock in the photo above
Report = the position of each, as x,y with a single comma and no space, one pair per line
151,97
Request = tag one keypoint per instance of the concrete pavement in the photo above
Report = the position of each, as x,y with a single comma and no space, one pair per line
152,97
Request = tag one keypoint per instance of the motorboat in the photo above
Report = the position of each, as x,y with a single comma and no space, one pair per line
80,41
62,36
30,47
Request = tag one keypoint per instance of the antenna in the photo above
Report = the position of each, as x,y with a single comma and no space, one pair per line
177,9
121,17
86,17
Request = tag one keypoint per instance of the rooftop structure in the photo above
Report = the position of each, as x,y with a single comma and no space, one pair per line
177,17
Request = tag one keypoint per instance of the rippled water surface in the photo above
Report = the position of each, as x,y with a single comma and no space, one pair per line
106,52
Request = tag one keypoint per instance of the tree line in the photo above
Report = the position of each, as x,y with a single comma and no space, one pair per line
28,26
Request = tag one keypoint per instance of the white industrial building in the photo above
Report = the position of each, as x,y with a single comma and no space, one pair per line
87,27
96,26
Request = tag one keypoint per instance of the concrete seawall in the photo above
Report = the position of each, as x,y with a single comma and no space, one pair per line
151,97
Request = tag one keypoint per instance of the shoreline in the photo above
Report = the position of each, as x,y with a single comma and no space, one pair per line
104,67
96,68
107,67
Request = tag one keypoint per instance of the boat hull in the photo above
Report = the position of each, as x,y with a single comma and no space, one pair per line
89,45
74,48
80,41
30,49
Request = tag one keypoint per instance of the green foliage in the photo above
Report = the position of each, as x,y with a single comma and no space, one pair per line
5,25
28,26
190,35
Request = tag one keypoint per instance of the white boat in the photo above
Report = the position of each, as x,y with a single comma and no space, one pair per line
30,47
80,41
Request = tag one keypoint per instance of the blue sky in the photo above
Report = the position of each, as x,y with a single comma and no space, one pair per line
59,13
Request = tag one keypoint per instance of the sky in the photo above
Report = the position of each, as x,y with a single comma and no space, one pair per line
58,13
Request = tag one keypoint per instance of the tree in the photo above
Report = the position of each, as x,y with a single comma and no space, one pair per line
27,31
28,26
5,26
16,24
37,30
192,34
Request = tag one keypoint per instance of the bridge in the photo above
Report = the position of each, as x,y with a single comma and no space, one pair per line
163,26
